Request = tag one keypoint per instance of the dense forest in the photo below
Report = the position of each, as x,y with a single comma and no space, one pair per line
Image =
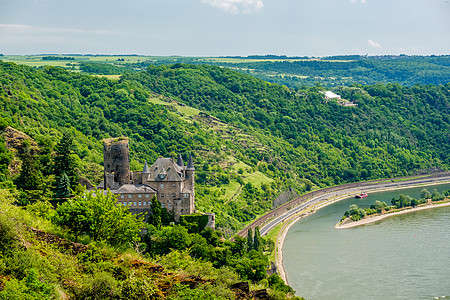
347,70
332,71
266,138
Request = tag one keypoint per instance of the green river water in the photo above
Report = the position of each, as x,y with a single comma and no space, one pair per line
401,257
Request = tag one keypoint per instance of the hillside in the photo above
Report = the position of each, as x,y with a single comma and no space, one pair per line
250,139
41,260
387,133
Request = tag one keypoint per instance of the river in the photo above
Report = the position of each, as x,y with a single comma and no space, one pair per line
401,257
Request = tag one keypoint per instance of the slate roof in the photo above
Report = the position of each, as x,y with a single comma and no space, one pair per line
180,161
190,165
166,167
146,169
135,189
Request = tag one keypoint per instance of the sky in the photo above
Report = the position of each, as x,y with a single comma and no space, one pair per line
225,27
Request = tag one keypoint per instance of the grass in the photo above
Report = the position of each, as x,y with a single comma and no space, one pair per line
36,60
185,111
257,179
111,77
273,235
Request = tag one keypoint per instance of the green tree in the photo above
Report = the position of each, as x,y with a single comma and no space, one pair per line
378,205
64,160
63,189
436,196
252,266
97,215
155,218
249,239
30,177
353,209
257,245
5,160
425,194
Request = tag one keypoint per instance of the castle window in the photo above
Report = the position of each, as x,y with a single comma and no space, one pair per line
134,203
173,185
122,196
139,195
162,185
145,203
185,195
173,195
140,203
146,195
129,196
170,205
130,204
162,195
162,205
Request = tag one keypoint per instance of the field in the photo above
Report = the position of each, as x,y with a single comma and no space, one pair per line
38,61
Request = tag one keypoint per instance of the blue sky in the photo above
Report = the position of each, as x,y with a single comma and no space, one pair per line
225,27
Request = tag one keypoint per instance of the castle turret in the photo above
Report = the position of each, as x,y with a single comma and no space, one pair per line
190,165
145,173
116,154
180,161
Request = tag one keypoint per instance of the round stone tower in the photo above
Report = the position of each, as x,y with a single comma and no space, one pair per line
116,155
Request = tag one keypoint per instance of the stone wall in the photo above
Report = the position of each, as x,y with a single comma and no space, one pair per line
116,160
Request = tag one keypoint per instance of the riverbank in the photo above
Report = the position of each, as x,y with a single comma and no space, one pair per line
290,221
375,218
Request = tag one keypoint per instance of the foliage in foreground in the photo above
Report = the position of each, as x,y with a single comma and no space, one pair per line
42,265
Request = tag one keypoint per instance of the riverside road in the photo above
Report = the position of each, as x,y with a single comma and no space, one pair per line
282,213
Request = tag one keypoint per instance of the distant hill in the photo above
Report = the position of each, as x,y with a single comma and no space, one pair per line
293,72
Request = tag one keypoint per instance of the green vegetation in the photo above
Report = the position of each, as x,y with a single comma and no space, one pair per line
403,201
250,139
39,260
293,72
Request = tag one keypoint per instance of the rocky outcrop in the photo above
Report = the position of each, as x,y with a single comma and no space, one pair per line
285,197
15,140
68,246
242,291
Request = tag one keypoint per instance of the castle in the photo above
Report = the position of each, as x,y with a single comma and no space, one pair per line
171,182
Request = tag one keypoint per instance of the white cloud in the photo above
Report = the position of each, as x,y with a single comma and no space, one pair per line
374,44
237,6
360,1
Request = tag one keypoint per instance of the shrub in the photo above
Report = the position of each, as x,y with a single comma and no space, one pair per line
7,235
31,287
101,286
138,288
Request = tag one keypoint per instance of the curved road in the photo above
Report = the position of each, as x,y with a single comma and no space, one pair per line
282,213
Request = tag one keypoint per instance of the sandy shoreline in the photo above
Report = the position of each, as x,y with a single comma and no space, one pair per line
386,215
287,224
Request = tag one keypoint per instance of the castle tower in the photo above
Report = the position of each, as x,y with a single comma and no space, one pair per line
116,154
145,173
